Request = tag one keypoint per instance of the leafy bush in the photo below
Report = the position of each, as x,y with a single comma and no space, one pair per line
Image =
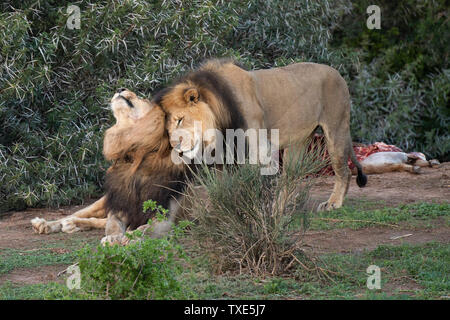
147,268
275,33
243,218
55,83
400,93
399,111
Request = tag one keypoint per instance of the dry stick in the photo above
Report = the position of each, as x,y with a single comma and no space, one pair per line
316,268
289,253
352,220
325,272
400,237
134,283
65,270
289,265
128,31
305,267
247,252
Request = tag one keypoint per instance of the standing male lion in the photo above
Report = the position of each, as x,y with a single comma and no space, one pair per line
294,99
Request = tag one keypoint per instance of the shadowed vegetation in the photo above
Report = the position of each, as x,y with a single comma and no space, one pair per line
55,83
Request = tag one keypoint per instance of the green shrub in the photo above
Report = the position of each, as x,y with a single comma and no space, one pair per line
400,93
55,83
399,111
148,268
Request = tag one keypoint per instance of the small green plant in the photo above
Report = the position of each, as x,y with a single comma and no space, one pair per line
153,206
160,211
275,286
148,268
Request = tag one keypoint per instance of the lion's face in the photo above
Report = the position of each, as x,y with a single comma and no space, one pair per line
188,119
127,107
139,130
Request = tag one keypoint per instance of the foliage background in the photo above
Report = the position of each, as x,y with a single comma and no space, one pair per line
55,83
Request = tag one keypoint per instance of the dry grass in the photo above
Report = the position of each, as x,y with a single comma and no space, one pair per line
243,218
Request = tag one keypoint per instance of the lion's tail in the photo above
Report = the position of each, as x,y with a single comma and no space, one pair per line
361,178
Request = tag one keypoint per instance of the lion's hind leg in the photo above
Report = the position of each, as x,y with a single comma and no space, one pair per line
339,149
42,226
69,224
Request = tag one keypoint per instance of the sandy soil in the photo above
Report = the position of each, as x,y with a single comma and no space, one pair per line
389,189
394,188
432,185
348,240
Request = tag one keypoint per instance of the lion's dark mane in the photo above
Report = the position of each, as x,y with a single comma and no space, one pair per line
215,83
126,194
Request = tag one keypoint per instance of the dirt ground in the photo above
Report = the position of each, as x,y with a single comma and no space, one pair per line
394,188
348,240
391,189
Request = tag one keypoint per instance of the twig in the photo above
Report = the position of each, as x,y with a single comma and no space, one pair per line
65,270
305,267
324,271
399,237
134,283
128,31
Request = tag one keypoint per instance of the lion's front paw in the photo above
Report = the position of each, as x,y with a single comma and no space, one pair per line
69,226
322,206
40,226
327,206
113,239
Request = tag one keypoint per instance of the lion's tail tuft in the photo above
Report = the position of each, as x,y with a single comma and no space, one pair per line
361,179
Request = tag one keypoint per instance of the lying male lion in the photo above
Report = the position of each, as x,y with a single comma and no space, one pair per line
139,148
295,99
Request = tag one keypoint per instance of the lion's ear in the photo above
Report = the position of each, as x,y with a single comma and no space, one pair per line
191,95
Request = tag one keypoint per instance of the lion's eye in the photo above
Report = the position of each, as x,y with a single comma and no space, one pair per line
179,121
128,102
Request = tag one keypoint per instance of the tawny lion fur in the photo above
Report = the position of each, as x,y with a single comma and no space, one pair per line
294,99
138,147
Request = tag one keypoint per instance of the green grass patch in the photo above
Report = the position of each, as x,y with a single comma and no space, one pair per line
51,290
428,266
423,270
11,259
51,252
355,217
